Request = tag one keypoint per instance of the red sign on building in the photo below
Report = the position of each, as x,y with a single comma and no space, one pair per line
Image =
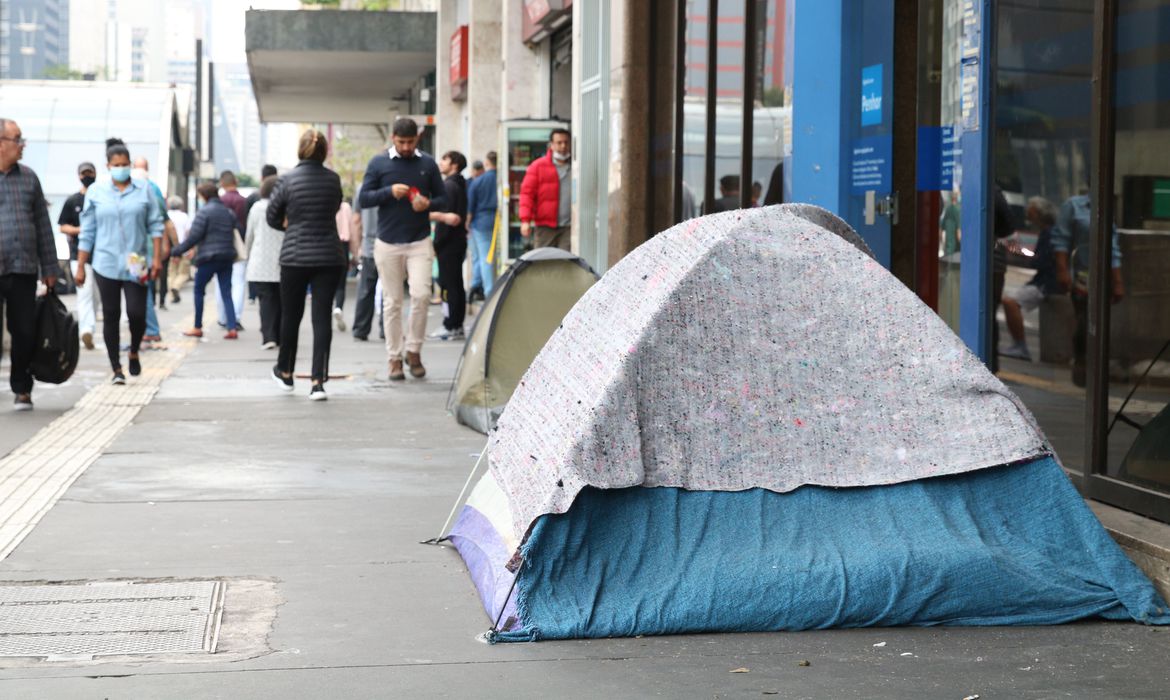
458,72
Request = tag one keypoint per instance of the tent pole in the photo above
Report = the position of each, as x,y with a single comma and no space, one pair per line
458,501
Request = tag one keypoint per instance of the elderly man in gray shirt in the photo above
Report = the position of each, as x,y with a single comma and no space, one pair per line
366,226
27,251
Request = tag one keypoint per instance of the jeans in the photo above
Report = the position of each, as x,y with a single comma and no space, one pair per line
87,302
367,287
484,272
400,263
238,288
339,295
451,280
222,270
294,285
112,291
18,297
269,295
151,316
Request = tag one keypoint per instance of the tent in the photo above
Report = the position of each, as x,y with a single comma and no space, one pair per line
526,306
748,424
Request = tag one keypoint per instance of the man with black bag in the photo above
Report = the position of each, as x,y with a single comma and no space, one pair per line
27,251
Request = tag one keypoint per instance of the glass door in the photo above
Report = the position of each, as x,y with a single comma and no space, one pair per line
867,129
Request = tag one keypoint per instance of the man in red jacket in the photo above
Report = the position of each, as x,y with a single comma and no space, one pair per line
545,196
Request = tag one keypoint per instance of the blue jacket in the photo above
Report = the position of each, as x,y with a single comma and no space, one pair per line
212,230
116,223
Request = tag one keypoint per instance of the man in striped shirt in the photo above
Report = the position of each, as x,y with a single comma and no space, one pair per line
26,252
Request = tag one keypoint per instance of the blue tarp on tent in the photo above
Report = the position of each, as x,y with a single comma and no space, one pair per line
1011,545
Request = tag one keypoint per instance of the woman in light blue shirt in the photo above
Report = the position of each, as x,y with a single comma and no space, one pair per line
121,236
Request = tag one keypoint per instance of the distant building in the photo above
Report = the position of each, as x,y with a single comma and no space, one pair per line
34,35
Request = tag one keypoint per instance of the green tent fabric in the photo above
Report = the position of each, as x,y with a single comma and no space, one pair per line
526,307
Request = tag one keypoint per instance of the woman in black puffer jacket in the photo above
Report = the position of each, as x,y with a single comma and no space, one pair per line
212,230
304,205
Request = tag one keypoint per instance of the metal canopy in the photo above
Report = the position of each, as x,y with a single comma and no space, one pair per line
343,66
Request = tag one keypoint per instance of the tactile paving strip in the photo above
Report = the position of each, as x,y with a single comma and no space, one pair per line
104,618
36,474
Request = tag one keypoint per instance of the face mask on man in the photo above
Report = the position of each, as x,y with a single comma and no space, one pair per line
562,157
120,173
138,174
88,180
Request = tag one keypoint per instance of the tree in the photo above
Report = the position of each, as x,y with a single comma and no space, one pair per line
61,71
246,180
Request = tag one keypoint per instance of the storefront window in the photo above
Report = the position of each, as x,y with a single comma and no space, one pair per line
772,118
729,106
694,109
1041,152
1139,284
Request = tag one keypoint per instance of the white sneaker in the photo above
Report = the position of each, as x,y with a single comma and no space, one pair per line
1018,352
339,319
270,345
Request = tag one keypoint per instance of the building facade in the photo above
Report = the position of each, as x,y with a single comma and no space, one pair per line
34,38
909,120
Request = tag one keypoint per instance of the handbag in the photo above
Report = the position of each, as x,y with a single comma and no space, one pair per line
55,355
238,243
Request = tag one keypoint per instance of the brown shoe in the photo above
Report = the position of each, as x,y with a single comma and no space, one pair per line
417,370
396,373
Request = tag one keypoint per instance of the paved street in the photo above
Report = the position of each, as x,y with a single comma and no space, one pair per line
312,514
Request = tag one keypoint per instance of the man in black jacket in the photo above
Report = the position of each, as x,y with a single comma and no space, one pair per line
404,184
451,246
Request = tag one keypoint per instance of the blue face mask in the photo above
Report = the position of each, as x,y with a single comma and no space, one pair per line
120,173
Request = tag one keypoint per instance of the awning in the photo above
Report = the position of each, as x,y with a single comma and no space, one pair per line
343,66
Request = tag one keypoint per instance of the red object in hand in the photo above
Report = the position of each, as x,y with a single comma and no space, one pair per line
413,193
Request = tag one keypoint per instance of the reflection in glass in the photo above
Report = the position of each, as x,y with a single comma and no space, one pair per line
694,109
1041,143
729,107
1139,357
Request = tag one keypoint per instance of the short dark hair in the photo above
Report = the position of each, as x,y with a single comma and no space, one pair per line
405,127
208,190
491,157
116,147
226,178
457,158
268,170
267,185
559,130
729,182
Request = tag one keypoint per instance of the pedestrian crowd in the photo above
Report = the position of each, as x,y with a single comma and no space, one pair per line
291,243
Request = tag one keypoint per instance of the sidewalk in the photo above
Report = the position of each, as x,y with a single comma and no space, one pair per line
312,513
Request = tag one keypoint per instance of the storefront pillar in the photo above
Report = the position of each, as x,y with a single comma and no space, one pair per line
817,109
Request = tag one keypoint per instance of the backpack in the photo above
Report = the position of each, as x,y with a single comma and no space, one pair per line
55,355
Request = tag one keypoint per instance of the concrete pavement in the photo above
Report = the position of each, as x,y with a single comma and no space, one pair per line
312,514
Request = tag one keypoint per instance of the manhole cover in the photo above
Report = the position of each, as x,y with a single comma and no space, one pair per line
110,617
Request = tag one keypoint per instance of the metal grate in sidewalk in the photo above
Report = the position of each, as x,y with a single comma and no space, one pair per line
36,474
110,617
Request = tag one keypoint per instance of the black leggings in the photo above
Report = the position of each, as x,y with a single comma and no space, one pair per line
294,284
111,292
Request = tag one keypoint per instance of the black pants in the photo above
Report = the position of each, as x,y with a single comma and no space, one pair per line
161,285
367,288
111,292
269,295
451,280
294,284
18,298
339,295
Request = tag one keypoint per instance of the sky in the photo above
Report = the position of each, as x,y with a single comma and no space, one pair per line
226,36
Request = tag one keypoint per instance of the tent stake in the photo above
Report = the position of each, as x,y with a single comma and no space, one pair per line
458,501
